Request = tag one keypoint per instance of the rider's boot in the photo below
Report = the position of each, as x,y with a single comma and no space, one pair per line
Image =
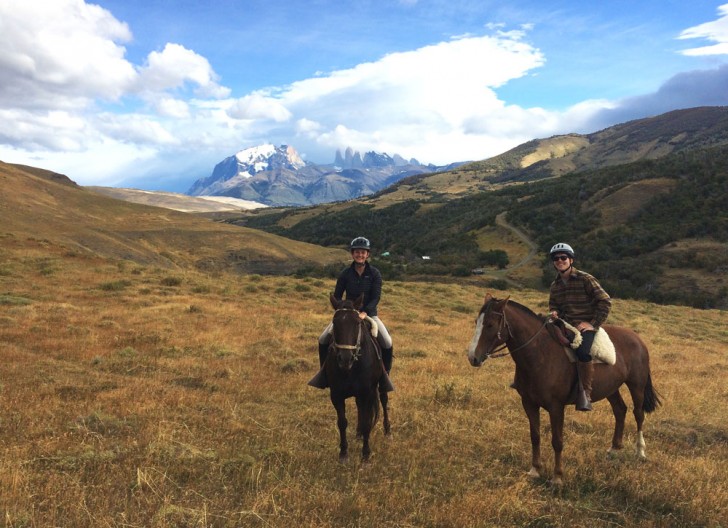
319,380
585,370
385,384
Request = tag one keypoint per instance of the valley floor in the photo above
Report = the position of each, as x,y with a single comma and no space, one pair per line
134,396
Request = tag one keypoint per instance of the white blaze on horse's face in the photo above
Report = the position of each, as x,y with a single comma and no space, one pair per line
474,360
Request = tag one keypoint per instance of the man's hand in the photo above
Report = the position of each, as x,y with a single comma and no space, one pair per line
584,326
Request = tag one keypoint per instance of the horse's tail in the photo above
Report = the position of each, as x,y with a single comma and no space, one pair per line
652,397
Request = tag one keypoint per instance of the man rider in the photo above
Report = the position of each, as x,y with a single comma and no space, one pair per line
579,299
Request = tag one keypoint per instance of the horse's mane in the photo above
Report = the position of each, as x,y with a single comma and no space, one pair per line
519,306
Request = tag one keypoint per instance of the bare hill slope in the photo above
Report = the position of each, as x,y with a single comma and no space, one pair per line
38,205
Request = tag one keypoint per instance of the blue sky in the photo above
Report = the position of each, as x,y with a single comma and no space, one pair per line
152,94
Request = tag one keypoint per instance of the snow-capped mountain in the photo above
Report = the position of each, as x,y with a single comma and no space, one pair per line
278,176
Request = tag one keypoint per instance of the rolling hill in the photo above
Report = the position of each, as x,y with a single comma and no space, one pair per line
644,203
44,213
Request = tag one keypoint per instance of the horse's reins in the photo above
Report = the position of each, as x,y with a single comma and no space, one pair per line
504,323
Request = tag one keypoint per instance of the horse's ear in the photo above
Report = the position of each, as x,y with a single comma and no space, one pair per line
359,301
334,301
502,304
488,297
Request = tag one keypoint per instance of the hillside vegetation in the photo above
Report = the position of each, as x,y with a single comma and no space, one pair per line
655,229
141,396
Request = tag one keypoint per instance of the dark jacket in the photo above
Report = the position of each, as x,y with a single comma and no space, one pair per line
369,283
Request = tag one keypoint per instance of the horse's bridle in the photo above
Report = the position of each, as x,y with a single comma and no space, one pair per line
357,347
504,342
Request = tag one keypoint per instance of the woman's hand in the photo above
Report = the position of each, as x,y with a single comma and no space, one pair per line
362,315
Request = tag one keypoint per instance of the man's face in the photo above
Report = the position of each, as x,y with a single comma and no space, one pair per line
561,261
359,255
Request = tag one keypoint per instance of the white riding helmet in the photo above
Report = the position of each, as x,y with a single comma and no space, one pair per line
562,248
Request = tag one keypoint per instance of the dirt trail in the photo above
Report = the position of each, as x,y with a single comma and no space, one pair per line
532,248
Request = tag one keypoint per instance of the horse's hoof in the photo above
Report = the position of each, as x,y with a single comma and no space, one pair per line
556,482
343,458
613,452
534,474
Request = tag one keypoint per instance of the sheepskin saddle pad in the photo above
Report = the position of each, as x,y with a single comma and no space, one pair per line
602,350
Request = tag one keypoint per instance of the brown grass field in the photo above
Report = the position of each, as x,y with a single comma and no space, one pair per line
136,396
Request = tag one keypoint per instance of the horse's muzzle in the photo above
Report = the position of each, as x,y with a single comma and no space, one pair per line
477,362
345,360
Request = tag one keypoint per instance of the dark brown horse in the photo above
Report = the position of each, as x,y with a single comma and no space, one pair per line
546,379
354,368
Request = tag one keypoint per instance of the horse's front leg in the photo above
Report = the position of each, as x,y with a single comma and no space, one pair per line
556,416
534,424
340,406
364,423
384,398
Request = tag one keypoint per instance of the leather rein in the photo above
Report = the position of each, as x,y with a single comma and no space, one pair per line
504,342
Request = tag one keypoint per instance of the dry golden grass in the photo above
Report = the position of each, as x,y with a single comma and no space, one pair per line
135,396
45,208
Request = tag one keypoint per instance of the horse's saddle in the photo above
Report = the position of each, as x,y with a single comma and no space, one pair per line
570,338
373,327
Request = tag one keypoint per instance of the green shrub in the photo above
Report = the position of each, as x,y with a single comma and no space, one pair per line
115,285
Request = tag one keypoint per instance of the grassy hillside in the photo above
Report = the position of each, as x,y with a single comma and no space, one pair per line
51,210
654,230
137,396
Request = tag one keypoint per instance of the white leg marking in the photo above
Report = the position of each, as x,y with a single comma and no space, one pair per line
534,473
476,338
640,446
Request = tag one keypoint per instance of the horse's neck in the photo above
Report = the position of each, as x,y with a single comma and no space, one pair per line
530,344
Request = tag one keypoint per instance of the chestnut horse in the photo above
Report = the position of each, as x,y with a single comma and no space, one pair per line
354,368
545,378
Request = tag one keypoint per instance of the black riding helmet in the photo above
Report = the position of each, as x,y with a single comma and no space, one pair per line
360,243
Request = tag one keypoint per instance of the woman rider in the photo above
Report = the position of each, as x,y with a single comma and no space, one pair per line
357,279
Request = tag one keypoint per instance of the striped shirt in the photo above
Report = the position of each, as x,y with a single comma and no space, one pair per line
580,299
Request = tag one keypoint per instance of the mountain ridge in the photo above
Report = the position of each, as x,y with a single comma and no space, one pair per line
277,176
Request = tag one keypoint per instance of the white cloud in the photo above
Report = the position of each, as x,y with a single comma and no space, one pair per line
715,31
60,61
61,53
170,107
258,106
174,66
434,103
